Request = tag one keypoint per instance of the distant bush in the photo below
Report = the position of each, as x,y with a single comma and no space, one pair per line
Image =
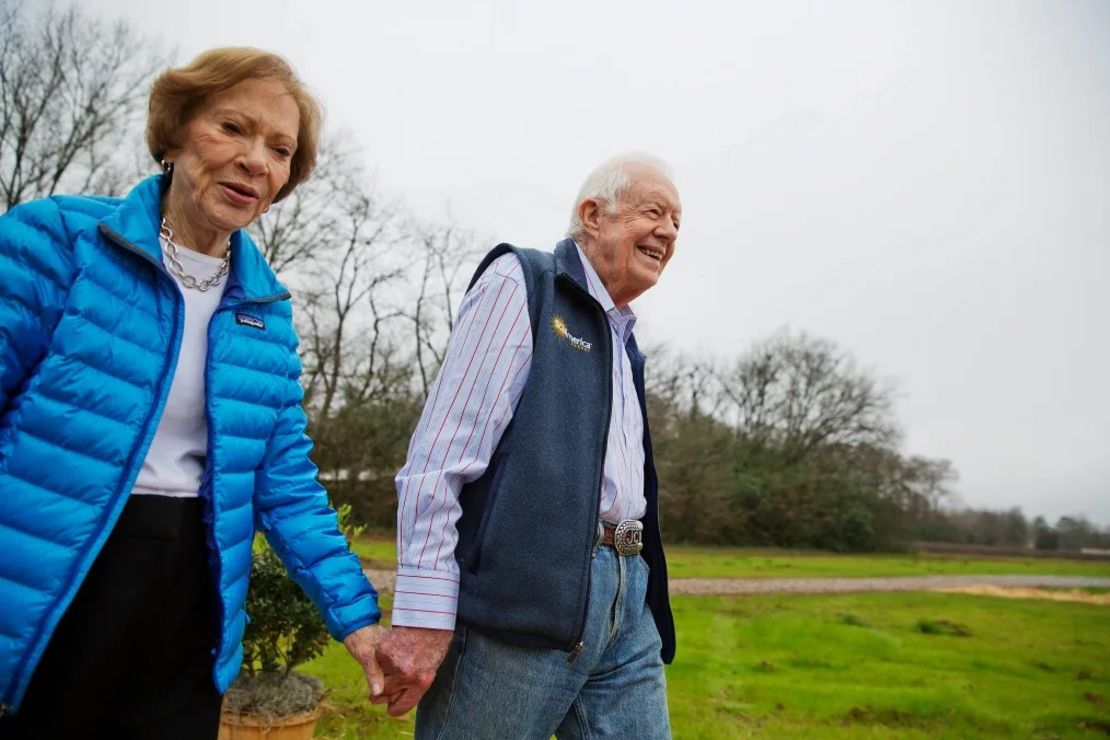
942,627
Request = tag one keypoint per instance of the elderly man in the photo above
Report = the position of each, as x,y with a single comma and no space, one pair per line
530,559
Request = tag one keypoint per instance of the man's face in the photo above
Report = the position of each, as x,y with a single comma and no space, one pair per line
635,238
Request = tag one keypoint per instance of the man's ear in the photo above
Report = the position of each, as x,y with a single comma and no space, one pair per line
590,211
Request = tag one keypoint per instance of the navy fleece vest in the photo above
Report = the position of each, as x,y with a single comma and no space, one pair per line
529,524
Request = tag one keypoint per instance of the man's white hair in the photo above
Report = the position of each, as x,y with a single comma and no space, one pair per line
608,182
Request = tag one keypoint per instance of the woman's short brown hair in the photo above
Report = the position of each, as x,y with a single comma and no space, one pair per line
178,93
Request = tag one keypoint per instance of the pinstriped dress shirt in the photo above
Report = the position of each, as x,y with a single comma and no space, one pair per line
469,406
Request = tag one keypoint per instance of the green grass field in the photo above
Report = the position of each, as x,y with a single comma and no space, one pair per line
890,665
685,561
688,561
905,665
852,666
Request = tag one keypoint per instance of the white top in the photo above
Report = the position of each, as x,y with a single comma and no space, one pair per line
469,407
174,463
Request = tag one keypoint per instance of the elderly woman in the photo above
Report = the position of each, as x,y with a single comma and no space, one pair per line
150,422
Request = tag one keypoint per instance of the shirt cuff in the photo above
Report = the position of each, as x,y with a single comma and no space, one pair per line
425,598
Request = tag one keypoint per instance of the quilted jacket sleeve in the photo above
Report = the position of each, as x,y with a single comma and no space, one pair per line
36,268
292,510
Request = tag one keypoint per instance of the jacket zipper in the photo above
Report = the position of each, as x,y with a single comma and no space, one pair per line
113,510
210,472
579,645
208,486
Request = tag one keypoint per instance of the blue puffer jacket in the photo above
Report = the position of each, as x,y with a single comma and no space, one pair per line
90,329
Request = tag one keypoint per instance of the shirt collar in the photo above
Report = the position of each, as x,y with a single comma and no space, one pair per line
623,319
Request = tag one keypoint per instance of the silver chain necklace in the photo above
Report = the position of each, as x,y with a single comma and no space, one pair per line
170,249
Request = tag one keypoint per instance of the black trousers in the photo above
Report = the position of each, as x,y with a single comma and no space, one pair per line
132,657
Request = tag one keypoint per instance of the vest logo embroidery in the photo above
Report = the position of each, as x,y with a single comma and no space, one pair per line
252,321
559,327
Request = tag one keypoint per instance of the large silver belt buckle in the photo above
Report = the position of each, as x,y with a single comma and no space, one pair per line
628,537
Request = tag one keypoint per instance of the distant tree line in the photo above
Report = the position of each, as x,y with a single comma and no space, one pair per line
1070,533
1011,528
789,443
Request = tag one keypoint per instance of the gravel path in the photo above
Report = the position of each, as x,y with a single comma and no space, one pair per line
383,581
856,585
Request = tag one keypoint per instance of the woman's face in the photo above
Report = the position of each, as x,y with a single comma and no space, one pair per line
235,156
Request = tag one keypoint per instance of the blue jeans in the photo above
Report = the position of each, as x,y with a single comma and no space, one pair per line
614,689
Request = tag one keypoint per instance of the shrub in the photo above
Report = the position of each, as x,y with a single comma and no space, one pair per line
284,631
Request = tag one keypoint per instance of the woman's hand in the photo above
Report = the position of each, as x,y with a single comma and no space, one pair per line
362,644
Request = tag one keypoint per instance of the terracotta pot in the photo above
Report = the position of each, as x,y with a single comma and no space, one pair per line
248,727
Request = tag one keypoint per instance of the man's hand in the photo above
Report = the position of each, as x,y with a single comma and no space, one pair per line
362,644
409,656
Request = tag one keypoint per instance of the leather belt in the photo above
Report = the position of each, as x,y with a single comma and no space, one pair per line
627,537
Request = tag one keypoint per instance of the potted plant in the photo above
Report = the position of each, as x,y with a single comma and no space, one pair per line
269,699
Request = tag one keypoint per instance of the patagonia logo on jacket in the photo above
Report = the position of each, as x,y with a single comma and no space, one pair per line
247,320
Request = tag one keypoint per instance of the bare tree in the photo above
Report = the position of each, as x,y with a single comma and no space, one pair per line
300,229
71,89
803,393
443,251
927,483
340,244
363,271
684,382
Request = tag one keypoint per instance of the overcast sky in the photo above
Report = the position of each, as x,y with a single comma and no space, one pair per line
926,184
